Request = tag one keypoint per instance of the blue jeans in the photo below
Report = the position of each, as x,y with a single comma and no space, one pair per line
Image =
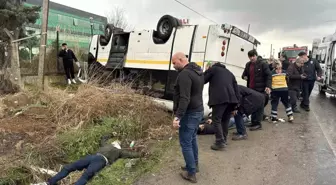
240,125
188,139
92,163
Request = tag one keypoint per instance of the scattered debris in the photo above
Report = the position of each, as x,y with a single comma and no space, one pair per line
42,183
43,170
131,163
282,120
18,146
132,144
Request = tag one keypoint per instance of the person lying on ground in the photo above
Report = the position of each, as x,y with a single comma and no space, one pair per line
207,128
106,155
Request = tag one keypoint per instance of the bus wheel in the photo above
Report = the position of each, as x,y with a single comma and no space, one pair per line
165,26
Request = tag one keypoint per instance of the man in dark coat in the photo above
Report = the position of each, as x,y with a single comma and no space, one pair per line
313,71
223,98
259,78
295,77
284,61
68,57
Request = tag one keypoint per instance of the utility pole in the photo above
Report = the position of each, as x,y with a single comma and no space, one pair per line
43,43
248,29
57,47
91,25
271,51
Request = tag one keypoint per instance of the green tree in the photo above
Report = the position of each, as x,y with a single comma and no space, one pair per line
24,54
31,43
14,17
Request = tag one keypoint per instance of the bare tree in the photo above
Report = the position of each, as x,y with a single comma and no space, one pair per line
118,19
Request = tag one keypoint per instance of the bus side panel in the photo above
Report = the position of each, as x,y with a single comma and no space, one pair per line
198,55
237,58
94,45
200,39
214,45
104,52
143,53
183,39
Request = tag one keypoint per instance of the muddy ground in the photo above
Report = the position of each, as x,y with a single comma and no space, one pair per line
285,154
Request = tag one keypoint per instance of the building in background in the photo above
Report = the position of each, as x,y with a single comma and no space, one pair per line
74,24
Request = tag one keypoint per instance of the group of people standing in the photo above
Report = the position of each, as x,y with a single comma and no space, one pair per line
281,81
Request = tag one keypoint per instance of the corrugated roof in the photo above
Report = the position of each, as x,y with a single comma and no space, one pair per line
70,10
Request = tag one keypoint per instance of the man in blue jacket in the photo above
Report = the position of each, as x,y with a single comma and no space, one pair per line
312,71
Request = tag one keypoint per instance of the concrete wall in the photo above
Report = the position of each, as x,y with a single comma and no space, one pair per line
50,79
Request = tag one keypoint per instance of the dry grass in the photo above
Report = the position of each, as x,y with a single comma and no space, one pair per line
91,102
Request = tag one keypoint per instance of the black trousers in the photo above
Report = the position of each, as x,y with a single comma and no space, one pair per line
294,94
221,115
266,99
69,69
307,88
257,116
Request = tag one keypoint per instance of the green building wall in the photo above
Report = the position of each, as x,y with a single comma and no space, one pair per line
75,30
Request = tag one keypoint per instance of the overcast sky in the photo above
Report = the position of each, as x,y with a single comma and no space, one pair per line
277,22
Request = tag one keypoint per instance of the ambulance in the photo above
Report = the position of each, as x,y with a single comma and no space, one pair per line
324,51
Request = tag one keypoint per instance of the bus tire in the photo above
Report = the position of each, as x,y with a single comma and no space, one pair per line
102,40
108,31
165,26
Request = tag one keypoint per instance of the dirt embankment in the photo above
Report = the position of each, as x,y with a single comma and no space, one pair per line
32,122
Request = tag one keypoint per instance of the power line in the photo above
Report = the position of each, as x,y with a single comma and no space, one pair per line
195,11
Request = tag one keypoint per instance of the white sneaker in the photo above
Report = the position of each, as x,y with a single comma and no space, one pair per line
69,81
74,81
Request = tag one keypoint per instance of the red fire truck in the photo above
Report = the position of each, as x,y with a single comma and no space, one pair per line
292,51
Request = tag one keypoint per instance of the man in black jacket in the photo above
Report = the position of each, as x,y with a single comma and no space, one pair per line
223,98
251,102
189,111
68,57
106,155
313,71
284,61
259,78
295,77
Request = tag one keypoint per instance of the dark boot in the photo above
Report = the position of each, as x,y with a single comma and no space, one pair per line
256,127
296,110
306,108
239,137
218,147
189,177
184,168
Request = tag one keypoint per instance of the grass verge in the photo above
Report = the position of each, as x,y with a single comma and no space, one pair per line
77,144
69,126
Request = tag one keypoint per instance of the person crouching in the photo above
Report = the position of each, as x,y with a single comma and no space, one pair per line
280,91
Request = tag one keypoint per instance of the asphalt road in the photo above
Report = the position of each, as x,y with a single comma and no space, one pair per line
302,153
